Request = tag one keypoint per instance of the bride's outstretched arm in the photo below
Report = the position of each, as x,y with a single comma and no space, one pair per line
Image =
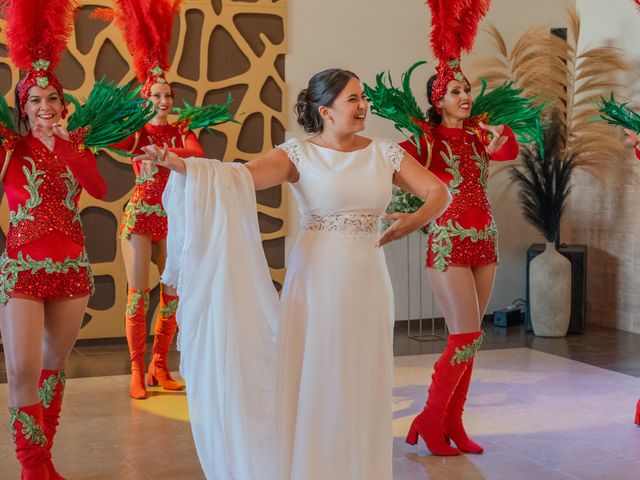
267,171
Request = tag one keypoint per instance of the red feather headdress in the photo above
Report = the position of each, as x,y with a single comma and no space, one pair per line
35,40
454,26
147,26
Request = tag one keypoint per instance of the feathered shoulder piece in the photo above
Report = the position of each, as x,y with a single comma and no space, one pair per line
37,34
454,26
192,117
398,104
147,26
507,105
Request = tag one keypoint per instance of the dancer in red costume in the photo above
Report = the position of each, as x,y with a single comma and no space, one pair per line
147,26
45,276
456,145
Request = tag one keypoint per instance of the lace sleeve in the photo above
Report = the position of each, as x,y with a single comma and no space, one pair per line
393,153
294,152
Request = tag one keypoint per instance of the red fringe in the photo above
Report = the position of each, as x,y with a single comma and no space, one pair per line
106,14
37,29
454,26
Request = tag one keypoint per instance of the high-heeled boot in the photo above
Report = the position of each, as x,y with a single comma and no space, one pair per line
448,370
164,332
136,328
637,419
25,427
455,428
51,391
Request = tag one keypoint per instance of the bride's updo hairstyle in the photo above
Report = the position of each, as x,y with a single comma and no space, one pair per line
322,91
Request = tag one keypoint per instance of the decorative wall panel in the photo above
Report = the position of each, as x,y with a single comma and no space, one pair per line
219,46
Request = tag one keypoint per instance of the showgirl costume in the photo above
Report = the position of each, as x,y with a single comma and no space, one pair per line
147,27
45,256
465,234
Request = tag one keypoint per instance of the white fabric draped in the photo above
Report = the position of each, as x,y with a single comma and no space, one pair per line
228,316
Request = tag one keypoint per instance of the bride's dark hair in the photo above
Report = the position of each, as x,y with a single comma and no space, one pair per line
322,91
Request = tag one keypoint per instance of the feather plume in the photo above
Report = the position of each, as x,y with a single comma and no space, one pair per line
454,26
34,35
147,26
106,14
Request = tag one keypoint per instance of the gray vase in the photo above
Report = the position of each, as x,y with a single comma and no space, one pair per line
550,293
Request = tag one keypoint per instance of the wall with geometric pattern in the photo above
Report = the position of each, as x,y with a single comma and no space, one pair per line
218,46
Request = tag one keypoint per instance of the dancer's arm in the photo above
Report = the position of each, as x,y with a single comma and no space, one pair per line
192,147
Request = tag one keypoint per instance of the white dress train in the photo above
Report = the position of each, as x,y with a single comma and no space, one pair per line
228,319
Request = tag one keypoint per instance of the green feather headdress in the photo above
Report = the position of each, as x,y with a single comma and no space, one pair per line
205,116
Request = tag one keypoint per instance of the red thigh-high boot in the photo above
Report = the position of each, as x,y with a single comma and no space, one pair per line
136,326
25,427
455,428
51,391
637,420
447,372
164,332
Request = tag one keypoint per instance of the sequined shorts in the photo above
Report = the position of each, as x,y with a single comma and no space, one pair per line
464,253
45,279
141,223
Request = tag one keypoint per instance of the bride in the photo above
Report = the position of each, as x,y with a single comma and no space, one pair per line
298,388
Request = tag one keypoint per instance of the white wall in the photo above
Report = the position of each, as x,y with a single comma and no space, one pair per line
604,215
369,36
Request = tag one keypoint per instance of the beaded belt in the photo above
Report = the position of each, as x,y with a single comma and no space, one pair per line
349,223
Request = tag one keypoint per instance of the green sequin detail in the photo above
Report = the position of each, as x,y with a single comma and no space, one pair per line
453,162
442,245
140,179
157,70
30,429
132,211
73,188
43,82
134,304
169,309
483,165
467,352
41,64
47,390
34,180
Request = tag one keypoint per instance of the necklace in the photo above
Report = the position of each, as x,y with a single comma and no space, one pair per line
347,149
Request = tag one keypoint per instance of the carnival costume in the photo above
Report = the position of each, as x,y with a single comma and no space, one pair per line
465,234
147,27
45,256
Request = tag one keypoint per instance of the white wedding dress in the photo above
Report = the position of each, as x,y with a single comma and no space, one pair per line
334,347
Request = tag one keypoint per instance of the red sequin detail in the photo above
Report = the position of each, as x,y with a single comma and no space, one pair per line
54,285
151,191
470,207
50,215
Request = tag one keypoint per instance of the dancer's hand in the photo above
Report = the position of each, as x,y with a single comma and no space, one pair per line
402,224
498,139
162,157
632,137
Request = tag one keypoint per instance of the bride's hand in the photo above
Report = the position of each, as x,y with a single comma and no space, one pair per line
402,224
162,157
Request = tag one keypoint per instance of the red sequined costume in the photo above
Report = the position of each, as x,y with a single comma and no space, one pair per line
465,234
144,213
45,255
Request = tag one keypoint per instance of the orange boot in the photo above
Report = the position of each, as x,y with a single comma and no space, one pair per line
25,427
448,370
51,391
164,332
455,428
136,326
637,420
